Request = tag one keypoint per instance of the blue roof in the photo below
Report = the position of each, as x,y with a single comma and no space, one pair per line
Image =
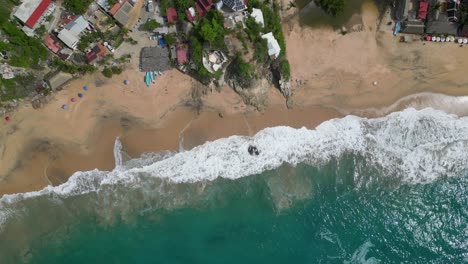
161,42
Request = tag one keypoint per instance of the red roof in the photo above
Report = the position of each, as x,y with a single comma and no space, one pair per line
51,44
171,13
32,20
203,6
114,8
422,14
182,53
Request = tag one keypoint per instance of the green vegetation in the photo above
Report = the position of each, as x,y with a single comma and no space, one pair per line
210,29
72,68
285,69
164,4
151,25
88,39
332,7
40,31
25,52
77,7
110,71
272,22
243,70
49,17
16,88
170,39
182,6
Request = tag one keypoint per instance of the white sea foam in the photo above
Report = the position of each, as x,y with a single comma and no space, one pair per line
415,146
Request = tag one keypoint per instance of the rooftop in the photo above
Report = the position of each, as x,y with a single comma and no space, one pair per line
235,5
257,15
182,53
154,59
122,15
58,79
51,43
171,13
77,25
273,46
30,11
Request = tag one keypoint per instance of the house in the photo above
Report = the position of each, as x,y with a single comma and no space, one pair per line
203,6
123,14
213,61
71,32
30,11
103,4
423,7
97,51
58,79
235,5
181,53
52,43
114,8
172,17
273,46
257,15
412,27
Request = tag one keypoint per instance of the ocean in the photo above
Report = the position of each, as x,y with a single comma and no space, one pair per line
353,190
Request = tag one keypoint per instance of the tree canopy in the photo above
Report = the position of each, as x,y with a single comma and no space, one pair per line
332,7
151,25
77,7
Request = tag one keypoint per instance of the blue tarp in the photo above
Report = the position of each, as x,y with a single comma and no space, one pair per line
161,42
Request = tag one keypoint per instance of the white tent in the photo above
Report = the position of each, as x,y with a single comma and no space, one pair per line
273,46
257,15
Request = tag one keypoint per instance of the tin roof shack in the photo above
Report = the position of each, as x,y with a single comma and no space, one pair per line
97,51
441,21
58,79
70,34
154,59
30,11
123,14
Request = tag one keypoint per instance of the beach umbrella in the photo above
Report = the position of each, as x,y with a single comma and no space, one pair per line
460,41
434,38
73,99
428,38
7,118
126,82
438,39
65,107
465,41
86,88
80,95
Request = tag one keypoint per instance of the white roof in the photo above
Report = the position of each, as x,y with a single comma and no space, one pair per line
26,9
68,38
258,16
77,25
192,11
273,46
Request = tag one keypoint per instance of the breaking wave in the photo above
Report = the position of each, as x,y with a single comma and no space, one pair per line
410,146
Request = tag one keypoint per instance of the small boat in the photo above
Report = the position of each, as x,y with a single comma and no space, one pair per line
152,76
160,73
147,79
397,28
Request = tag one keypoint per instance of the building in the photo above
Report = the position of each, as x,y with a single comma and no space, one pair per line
203,6
273,46
154,59
172,17
123,14
30,11
71,32
213,61
235,5
52,43
181,53
422,12
97,51
58,79
257,15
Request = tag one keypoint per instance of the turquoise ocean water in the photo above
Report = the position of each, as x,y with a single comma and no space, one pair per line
388,190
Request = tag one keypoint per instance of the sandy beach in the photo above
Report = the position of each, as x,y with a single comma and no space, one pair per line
332,75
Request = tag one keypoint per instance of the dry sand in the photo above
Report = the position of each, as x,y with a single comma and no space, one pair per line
45,146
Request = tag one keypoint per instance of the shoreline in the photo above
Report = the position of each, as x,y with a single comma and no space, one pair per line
332,76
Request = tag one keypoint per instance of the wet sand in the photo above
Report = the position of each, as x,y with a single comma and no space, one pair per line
332,76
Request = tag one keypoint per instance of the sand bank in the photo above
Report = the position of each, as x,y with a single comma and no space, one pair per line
332,75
